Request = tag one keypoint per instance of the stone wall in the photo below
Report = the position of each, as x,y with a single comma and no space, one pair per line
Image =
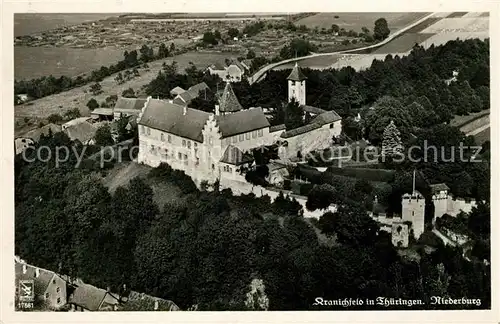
241,188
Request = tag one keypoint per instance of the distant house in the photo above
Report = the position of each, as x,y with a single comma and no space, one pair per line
102,114
128,107
142,302
278,172
50,289
76,121
86,298
33,136
22,98
83,132
232,73
185,98
176,91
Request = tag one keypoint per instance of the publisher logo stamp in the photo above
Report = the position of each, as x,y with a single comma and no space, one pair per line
26,294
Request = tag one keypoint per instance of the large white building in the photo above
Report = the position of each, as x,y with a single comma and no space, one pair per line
208,146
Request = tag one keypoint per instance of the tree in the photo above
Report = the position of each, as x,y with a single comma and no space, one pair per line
233,32
381,30
96,89
297,48
103,136
294,115
351,224
335,28
321,197
217,34
386,109
391,143
129,93
72,114
250,54
119,78
163,51
55,118
92,104
209,38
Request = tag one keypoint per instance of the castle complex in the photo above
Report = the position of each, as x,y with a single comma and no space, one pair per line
211,146
412,219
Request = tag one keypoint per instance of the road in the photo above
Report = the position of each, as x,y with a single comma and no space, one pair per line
259,75
478,130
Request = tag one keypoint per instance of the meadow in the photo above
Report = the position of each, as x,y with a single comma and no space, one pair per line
355,21
78,97
35,62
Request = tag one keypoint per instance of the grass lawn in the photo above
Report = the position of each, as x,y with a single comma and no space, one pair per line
77,98
483,136
355,21
459,121
122,173
403,43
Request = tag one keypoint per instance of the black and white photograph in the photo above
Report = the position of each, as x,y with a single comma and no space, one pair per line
250,161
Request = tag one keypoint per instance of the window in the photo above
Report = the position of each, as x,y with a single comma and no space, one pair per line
169,138
162,137
179,155
195,145
241,138
261,133
230,170
254,134
213,166
58,289
54,281
185,157
47,295
189,144
58,300
148,130
331,125
228,141
235,139
183,143
247,136
210,141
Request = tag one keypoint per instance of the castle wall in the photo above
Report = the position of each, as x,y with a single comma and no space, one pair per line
242,188
317,139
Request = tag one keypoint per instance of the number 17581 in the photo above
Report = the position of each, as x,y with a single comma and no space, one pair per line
25,305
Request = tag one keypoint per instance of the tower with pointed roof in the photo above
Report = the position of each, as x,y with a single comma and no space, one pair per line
297,85
228,102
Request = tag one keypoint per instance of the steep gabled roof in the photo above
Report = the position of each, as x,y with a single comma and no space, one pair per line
82,132
37,133
438,187
312,109
87,296
243,121
235,156
296,74
194,91
176,91
229,102
130,103
41,282
170,118
326,118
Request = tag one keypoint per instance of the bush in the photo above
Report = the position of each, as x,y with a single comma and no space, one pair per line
379,175
55,118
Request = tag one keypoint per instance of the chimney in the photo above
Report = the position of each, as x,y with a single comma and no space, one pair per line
184,110
108,289
217,111
25,268
156,304
37,272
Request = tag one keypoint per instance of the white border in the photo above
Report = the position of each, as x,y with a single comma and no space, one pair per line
7,315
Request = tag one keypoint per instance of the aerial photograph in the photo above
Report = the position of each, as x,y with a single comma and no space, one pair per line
288,161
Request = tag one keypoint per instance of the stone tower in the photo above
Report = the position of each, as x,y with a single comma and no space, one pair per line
414,210
297,85
440,199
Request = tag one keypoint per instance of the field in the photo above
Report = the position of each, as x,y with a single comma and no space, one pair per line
30,23
483,136
35,62
403,43
318,62
77,98
459,121
355,21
